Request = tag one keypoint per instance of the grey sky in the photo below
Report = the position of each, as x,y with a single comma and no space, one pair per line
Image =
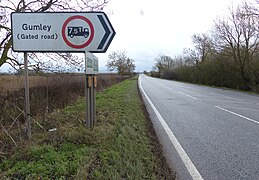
148,28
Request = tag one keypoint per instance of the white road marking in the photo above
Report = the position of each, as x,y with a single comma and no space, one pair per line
176,84
226,96
238,102
239,115
187,95
182,93
185,158
248,109
200,94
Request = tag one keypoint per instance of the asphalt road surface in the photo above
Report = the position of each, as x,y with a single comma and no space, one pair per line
206,133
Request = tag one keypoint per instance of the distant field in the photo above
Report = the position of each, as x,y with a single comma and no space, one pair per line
11,83
15,83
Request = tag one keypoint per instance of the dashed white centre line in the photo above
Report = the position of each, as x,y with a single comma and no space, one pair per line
187,95
239,115
226,96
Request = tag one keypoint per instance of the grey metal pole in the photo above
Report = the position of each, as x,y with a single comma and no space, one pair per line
87,102
94,100
87,96
27,98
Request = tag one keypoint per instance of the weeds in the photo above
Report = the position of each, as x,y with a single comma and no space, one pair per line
47,93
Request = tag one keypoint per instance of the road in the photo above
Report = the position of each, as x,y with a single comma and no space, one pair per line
206,133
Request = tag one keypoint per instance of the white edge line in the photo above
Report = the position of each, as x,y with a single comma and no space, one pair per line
187,95
249,119
185,158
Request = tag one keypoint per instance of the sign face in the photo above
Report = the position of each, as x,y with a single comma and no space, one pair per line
95,65
91,64
61,32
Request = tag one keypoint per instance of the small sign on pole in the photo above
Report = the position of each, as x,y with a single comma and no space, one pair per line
91,63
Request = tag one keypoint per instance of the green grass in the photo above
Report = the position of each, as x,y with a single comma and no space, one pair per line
119,146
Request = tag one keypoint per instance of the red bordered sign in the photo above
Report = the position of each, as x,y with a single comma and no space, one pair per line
61,32
69,32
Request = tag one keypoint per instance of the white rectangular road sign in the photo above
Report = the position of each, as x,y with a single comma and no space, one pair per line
61,32
96,65
91,63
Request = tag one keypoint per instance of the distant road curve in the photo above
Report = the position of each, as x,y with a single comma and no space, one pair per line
206,133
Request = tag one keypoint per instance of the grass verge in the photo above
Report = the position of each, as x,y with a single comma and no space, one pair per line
120,146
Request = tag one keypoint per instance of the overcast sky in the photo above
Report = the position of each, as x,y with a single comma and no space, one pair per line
148,28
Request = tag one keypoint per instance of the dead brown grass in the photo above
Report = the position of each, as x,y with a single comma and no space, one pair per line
48,92
10,83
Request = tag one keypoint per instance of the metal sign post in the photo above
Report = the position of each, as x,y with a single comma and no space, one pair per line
94,102
27,98
91,68
87,113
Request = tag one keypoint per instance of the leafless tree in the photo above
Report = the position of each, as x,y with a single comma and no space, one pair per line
239,34
163,63
119,61
252,9
203,45
9,6
191,57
